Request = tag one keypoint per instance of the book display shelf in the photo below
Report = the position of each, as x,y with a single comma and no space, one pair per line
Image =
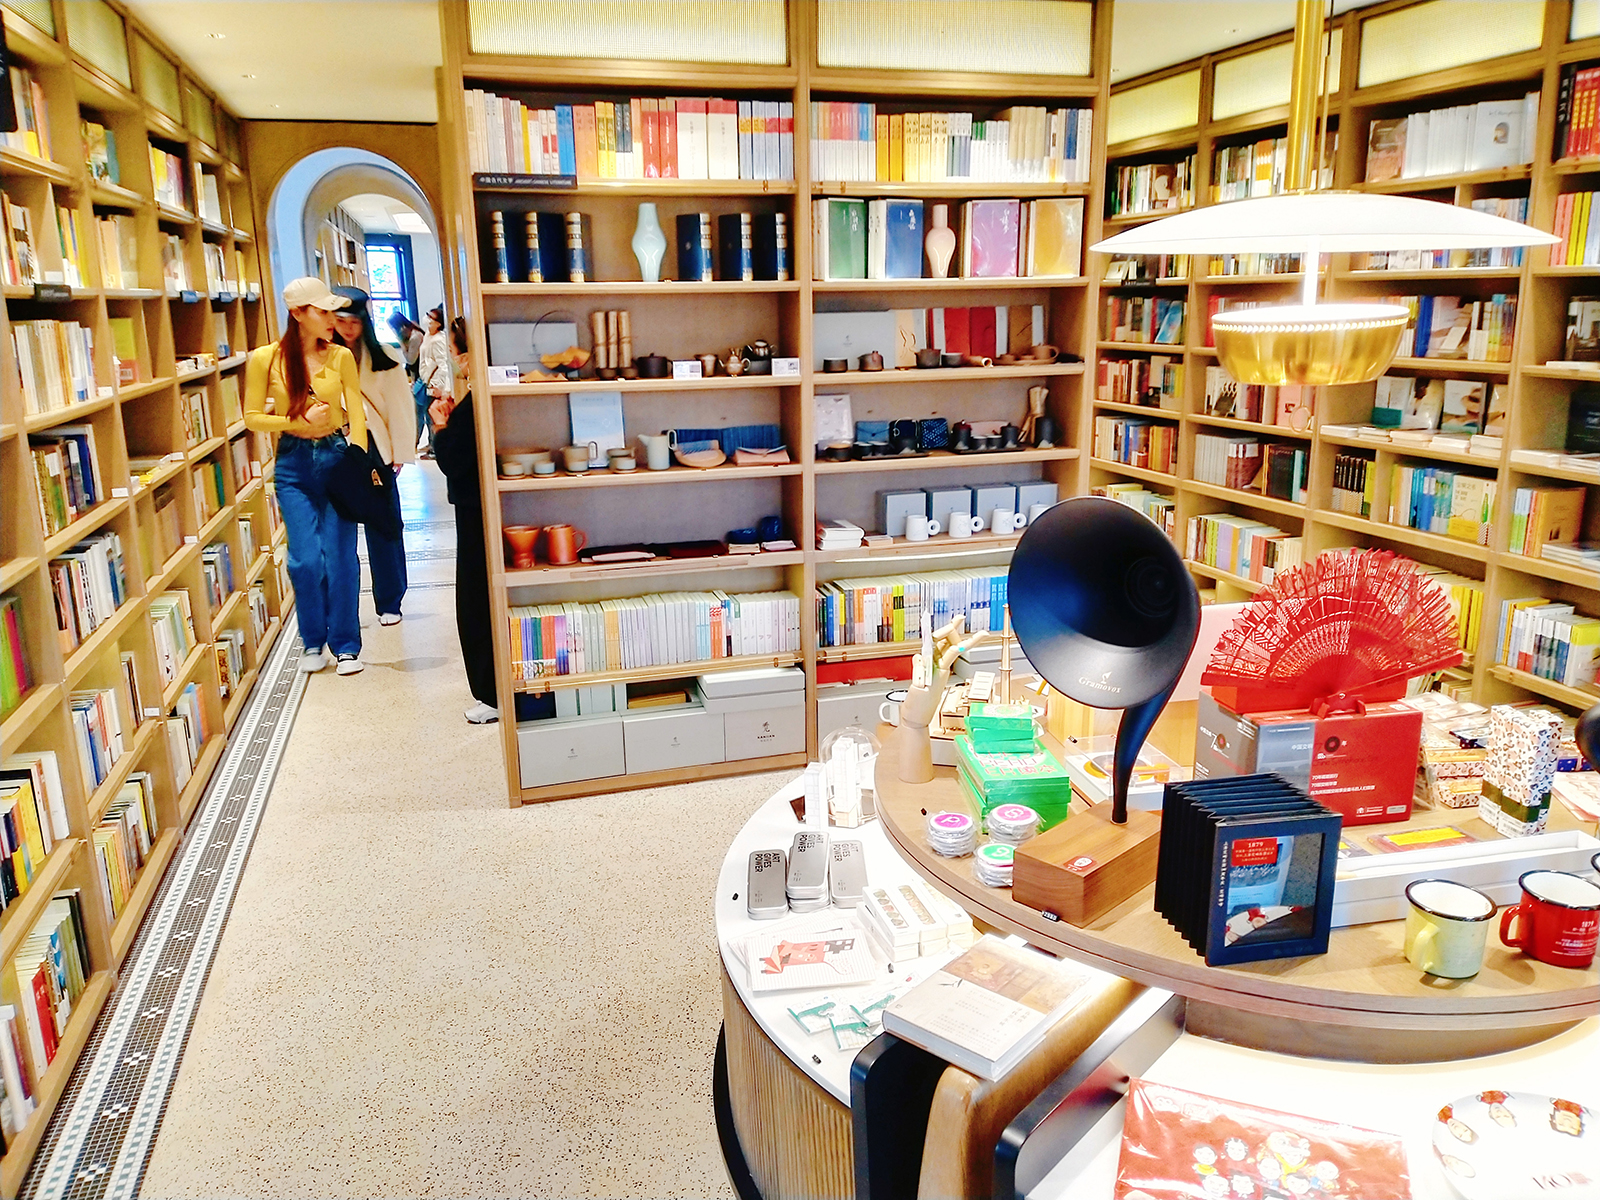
805,69
138,570
1200,110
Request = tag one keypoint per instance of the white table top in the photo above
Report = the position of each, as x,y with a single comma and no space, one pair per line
773,827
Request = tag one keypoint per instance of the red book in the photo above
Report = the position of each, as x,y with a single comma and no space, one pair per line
652,138
1561,227
667,117
47,1014
958,331
980,331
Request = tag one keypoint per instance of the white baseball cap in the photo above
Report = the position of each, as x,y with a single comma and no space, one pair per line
310,290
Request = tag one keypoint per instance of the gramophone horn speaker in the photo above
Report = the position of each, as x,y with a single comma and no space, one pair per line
1106,612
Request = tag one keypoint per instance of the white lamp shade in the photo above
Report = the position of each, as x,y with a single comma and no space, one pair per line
1338,221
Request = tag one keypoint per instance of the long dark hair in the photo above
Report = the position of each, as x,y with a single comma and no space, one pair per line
376,352
296,379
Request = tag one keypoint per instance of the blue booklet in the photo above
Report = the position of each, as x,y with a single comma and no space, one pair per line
903,233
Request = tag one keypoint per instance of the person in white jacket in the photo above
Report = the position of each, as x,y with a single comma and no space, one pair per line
433,365
391,413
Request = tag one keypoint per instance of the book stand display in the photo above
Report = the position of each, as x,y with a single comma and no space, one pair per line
176,478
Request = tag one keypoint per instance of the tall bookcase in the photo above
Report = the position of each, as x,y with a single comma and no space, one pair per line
1175,112
680,318
94,63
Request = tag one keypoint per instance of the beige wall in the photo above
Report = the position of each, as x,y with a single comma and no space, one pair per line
275,146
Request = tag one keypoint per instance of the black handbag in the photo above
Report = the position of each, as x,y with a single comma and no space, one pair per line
361,489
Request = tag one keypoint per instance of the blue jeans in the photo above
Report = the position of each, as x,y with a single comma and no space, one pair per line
420,394
322,545
387,561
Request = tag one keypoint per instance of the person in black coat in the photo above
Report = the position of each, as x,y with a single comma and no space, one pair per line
455,443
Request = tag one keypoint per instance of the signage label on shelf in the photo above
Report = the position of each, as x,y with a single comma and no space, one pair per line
189,297
52,293
786,366
687,368
525,183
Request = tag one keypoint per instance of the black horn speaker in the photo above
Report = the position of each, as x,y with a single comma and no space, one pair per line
1106,612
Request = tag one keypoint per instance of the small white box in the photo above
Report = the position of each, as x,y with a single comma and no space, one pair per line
839,705
567,751
757,681
759,732
687,368
752,701
880,911
786,366
943,501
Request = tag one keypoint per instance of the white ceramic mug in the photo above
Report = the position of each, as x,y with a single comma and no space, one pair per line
920,528
960,525
1035,511
1003,521
889,710
657,450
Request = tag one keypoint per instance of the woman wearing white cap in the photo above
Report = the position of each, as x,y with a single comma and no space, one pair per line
307,390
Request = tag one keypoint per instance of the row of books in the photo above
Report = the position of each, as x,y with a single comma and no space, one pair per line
1512,208
1289,405
1146,268
852,141
89,583
1446,141
21,262
649,631
229,649
1454,327
33,818
116,237
984,330
1355,479
1244,462
260,614
1578,227
43,982
55,363
100,718
188,728
1549,639
1578,111
1151,187
209,496
884,239
1546,518
16,675
172,623
1241,546
70,240
124,838
1161,510
1455,406
1155,381
1466,601
17,1102
66,478
1442,500
884,609
1253,264
1147,319
166,172
216,569
100,152
641,138
32,134
1152,445
1259,168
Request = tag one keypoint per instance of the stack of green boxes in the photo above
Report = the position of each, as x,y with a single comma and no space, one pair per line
1000,761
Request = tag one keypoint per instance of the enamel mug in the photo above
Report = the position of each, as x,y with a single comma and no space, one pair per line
1447,926
889,710
1557,920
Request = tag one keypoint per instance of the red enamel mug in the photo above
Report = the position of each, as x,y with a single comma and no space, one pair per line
1557,920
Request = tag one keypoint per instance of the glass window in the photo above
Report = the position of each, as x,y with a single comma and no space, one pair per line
388,285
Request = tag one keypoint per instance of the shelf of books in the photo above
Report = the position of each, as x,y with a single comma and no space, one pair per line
801,329
1478,454
133,607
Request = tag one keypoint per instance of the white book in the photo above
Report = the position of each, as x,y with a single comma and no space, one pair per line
989,1008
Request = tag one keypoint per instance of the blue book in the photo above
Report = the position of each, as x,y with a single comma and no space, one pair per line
694,248
566,146
769,237
1424,326
903,234
737,253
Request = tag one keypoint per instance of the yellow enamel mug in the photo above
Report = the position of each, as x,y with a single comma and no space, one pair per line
1447,925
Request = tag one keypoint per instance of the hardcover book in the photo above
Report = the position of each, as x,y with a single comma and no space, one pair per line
694,248
1055,238
839,239
736,246
769,246
992,229
903,233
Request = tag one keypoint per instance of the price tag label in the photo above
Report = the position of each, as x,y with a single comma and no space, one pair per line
687,368
119,493
786,366
189,539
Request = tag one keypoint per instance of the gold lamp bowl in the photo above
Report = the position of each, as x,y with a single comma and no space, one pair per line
1316,344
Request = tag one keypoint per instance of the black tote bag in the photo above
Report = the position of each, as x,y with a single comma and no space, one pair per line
361,488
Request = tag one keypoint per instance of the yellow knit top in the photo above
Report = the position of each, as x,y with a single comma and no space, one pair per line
337,383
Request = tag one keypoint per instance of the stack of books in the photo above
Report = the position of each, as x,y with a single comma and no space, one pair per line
1258,168
851,141
56,362
1453,327
1160,509
123,839
1355,477
1147,319
33,816
1137,443
1033,778
1550,640
835,533
1152,187
47,976
90,584
1467,137
1545,519
1156,382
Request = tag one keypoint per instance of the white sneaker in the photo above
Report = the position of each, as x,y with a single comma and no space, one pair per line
482,714
349,664
388,618
313,660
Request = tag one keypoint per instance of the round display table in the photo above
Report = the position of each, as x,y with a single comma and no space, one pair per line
1361,1001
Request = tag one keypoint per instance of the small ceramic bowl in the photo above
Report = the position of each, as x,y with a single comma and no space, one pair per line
834,366
623,462
547,467
513,470
928,358
950,360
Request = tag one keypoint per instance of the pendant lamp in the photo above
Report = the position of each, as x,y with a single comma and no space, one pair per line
1312,343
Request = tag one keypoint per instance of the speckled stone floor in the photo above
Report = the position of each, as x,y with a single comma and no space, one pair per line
422,992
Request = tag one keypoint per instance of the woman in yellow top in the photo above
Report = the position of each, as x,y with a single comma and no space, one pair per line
307,390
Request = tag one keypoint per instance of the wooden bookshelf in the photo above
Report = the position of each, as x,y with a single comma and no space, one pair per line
136,418
1536,393
719,315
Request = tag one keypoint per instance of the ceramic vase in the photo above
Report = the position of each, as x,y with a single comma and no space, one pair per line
940,243
520,541
649,244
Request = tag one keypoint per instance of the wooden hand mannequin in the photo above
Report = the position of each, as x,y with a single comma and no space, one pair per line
921,704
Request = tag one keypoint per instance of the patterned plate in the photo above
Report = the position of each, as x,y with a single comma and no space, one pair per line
1497,1145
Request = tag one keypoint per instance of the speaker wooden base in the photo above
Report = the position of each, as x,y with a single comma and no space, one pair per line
1087,865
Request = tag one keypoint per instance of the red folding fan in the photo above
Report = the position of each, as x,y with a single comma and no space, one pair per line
1353,625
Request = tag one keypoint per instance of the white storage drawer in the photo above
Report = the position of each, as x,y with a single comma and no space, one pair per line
679,738
759,732
567,751
858,704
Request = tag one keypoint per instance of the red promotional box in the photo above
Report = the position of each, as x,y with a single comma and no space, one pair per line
1363,766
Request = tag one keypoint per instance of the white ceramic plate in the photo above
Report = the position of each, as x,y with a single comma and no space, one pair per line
1497,1145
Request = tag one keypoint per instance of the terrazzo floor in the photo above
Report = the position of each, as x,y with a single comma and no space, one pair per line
423,992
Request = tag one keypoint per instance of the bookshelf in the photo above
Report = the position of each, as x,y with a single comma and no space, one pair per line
681,503
1208,115
170,316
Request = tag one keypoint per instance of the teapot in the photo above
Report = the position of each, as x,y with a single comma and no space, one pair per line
757,349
